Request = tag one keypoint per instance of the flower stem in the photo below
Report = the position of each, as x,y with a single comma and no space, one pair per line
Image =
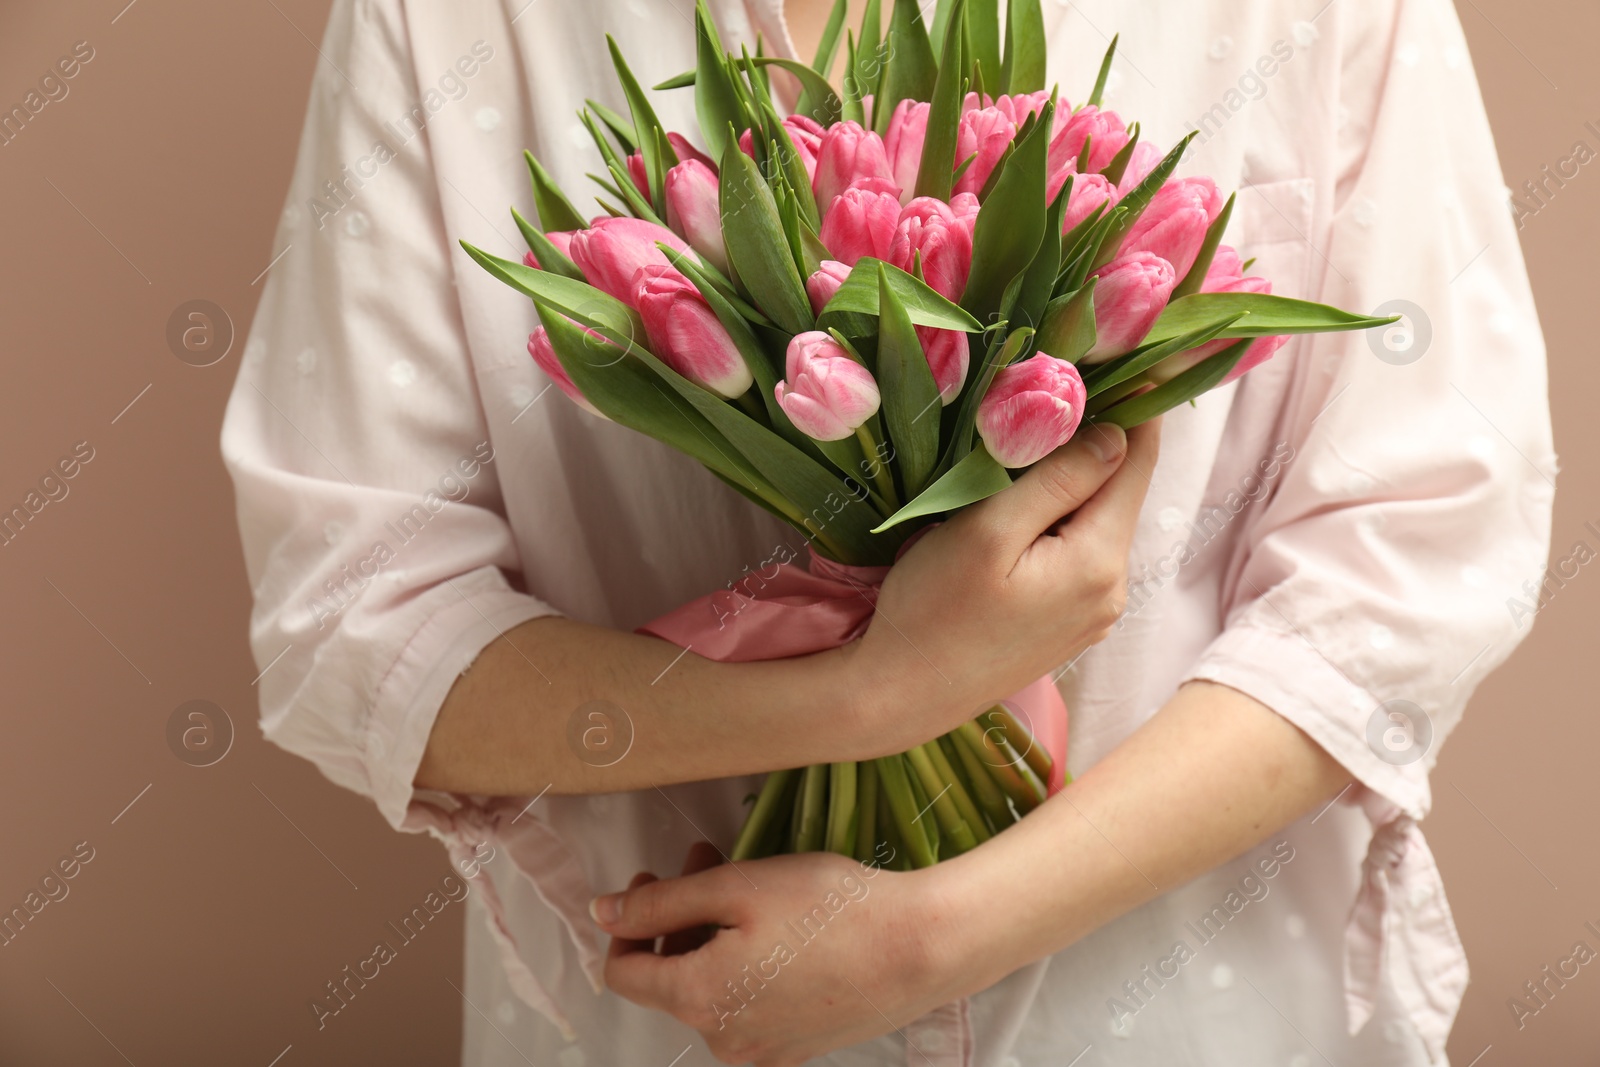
810,825
867,805
761,815
951,825
841,808
879,469
896,787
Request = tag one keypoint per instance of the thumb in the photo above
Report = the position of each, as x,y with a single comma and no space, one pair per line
659,908
1053,488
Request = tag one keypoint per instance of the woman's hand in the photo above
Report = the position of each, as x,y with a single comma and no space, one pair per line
812,952
1005,591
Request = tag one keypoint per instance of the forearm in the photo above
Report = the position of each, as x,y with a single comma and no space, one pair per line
1213,774
576,708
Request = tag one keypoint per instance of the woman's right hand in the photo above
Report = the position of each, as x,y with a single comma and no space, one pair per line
1007,590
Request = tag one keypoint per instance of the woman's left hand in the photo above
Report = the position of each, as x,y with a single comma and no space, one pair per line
810,952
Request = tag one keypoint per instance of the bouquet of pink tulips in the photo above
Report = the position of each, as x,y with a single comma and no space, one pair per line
871,312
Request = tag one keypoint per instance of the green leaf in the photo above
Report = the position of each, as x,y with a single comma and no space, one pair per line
1035,285
1198,379
1118,166
1068,329
544,250
1265,316
941,23
1208,251
658,154
912,69
858,296
828,44
623,179
757,246
677,81
911,406
983,33
554,209
826,105
850,109
1124,368
999,354
574,299
716,99
1023,69
1011,224
869,51
1105,71
1132,206
977,477
934,173
620,127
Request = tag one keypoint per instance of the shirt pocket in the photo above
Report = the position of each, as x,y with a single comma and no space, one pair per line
1274,227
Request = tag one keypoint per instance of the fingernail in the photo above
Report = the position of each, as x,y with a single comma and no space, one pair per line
606,910
1106,442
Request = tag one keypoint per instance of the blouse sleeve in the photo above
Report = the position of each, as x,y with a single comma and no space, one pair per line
1371,595
368,497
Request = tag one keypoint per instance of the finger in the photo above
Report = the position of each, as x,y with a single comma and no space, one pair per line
702,856
647,979
621,946
659,908
1112,513
1054,487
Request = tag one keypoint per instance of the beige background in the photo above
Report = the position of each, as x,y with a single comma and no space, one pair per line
224,897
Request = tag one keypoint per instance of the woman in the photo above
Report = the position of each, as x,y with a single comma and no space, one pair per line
448,563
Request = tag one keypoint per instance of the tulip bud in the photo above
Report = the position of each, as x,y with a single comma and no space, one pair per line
908,128
806,135
1089,191
1103,130
1174,224
825,282
686,334
611,251
694,210
544,357
562,239
929,228
986,134
1017,108
1031,409
965,206
948,356
847,153
825,393
684,150
640,176
1131,294
1226,266
861,220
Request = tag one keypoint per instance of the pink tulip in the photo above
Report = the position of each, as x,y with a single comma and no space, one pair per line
1174,224
544,357
562,239
947,358
966,207
825,282
611,251
1131,294
1031,409
1226,266
1257,354
908,128
1223,279
694,211
928,228
861,220
804,132
685,333
1089,192
1019,107
1141,162
686,151
640,176
986,134
971,102
1104,131
848,153
825,393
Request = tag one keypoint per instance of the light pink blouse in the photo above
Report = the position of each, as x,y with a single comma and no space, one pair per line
1336,535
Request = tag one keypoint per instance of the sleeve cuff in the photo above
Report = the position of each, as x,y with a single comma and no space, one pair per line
1282,671
409,695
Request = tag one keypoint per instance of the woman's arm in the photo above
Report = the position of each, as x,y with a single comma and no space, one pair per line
1211,775
979,607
